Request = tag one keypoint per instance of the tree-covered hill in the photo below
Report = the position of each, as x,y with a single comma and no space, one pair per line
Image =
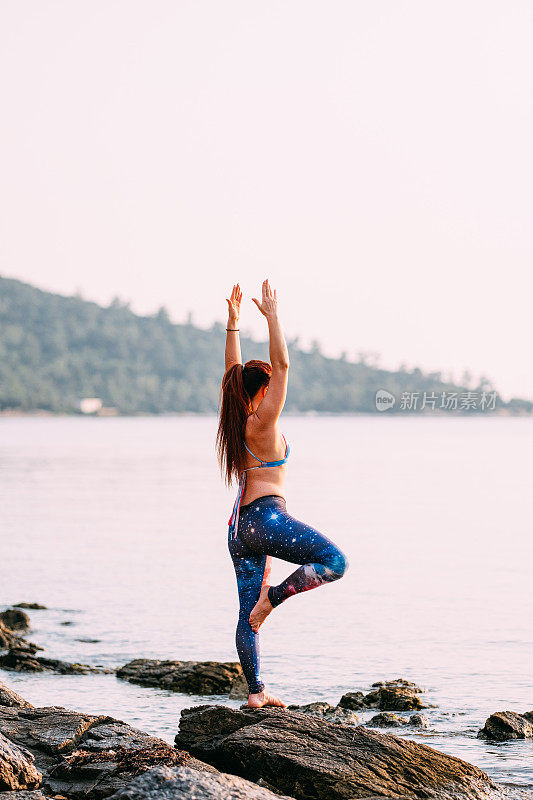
56,350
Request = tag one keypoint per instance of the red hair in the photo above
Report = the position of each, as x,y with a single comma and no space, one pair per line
240,384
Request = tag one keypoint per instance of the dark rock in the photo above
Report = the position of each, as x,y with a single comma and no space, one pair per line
419,721
23,659
7,637
326,711
353,701
504,725
67,622
396,695
88,641
192,677
400,683
387,720
10,698
398,699
86,756
311,759
239,688
10,640
17,770
15,620
34,606
23,794
178,783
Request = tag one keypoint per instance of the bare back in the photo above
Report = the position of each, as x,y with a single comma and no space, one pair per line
268,444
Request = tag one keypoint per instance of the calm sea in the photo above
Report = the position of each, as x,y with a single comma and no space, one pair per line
119,527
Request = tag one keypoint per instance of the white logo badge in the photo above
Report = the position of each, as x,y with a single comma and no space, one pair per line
384,400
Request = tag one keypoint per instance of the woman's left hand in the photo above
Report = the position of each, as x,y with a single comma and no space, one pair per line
234,304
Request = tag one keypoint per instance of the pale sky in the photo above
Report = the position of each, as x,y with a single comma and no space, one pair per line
374,159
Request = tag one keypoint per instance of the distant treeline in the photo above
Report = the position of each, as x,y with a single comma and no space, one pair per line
56,350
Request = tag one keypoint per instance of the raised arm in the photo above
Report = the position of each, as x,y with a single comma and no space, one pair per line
272,403
233,344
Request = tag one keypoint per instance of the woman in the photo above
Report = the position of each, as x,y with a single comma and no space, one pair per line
252,449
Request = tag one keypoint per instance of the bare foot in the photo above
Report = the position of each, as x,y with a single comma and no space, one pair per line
263,699
261,610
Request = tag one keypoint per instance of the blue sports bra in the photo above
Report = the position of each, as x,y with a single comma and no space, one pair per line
233,521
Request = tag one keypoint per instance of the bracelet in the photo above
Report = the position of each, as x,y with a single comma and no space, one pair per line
232,329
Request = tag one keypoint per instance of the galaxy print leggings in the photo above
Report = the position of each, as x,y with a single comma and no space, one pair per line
266,529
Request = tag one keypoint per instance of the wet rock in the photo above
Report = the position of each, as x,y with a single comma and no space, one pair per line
396,695
353,701
178,783
23,659
504,725
192,677
399,683
34,606
10,698
398,699
15,619
10,641
419,721
86,756
7,637
239,688
311,759
326,711
387,719
17,770
88,641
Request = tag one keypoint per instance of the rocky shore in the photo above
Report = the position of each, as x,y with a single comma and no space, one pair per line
315,751
224,753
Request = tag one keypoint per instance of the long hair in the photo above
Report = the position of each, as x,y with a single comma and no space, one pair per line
240,384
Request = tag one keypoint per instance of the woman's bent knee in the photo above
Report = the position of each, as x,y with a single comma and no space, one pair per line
335,561
338,563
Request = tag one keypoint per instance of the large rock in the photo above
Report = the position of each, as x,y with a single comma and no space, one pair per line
22,658
17,768
86,756
396,695
15,619
183,783
192,677
10,698
504,725
311,759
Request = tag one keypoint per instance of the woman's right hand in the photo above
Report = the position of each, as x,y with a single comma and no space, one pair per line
234,304
269,301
